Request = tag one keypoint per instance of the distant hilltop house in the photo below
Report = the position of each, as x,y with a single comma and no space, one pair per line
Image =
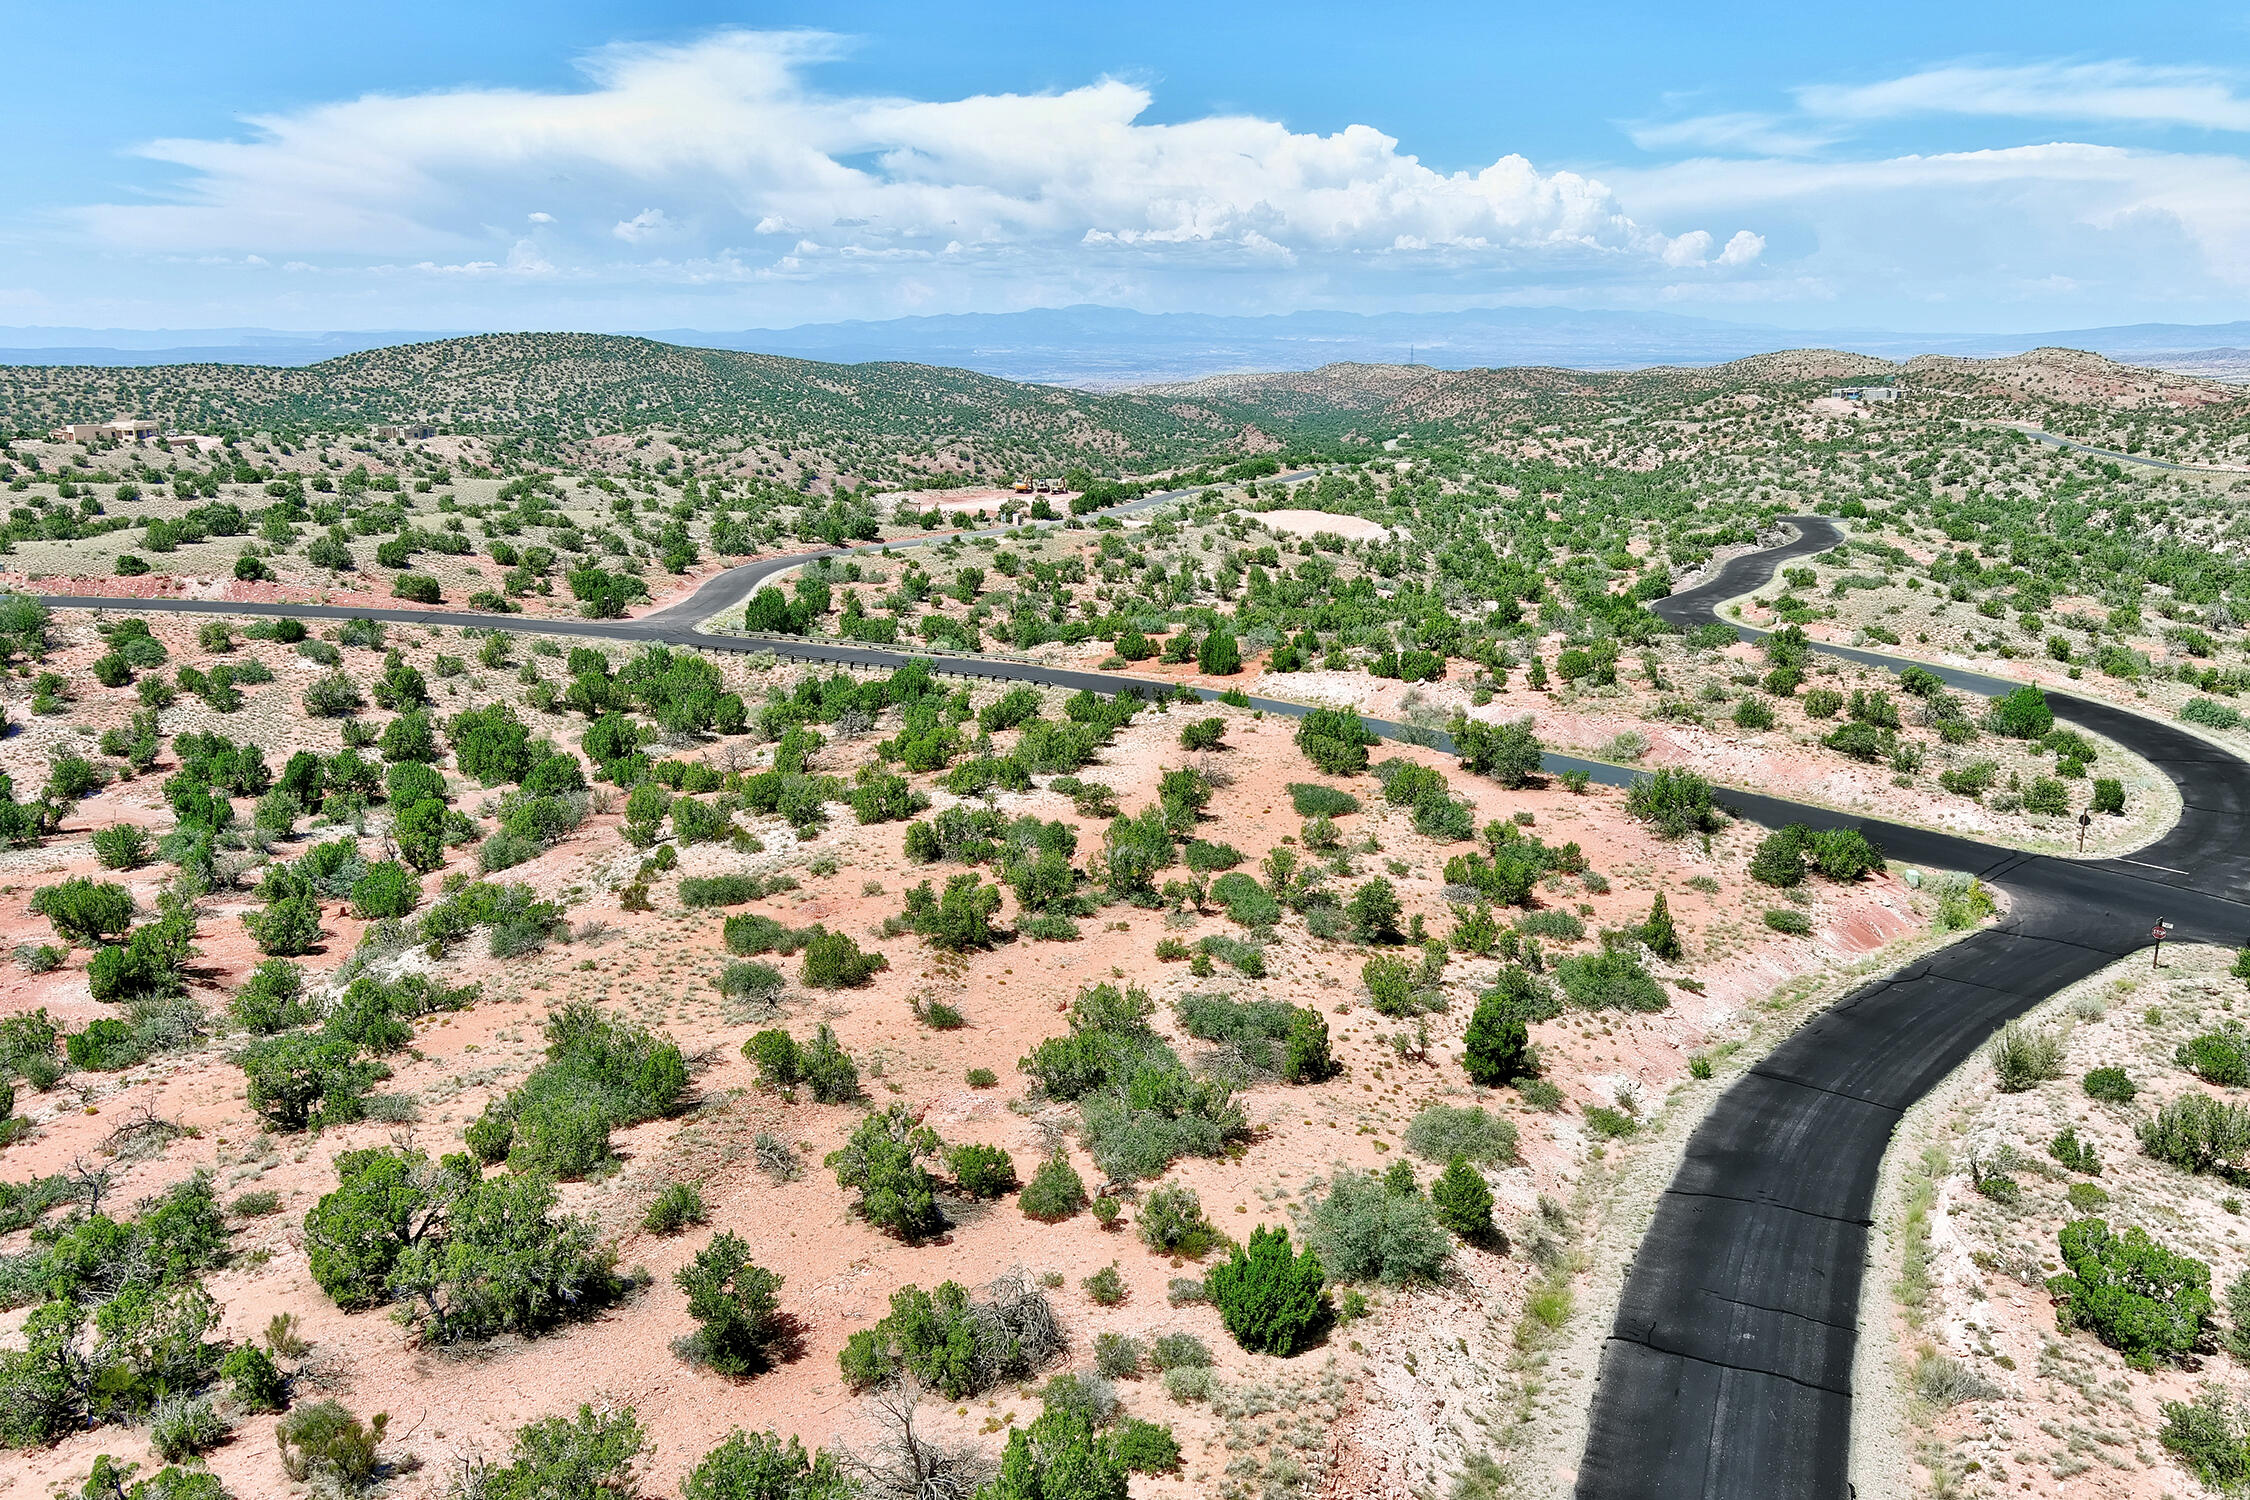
1865,393
122,430
134,430
406,430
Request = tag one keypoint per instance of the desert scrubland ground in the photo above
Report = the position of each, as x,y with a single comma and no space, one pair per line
484,1045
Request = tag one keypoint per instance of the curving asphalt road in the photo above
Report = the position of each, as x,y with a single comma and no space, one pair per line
1728,1370
2073,446
732,589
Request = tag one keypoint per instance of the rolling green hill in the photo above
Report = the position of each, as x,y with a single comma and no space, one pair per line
570,386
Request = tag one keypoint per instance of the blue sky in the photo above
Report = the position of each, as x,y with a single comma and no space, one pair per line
570,164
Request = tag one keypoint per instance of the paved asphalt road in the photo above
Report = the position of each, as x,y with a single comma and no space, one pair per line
732,589
2142,459
1728,1372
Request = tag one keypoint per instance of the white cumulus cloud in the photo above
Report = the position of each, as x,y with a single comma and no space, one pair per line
646,224
731,133
2118,92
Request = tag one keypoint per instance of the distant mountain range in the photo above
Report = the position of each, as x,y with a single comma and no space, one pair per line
1107,347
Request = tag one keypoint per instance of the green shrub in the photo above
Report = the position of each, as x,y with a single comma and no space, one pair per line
775,1053
1610,1124
958,919
1674,803
833,961
1335,741
1058,1455
674,1209
105,1046
762,1466
2109,796
1172,1223
1843,854
470,1256
2110,1085
1443,1132
750,982
2025,1057
952,1344
2211,713
1207,858
84,913
2023,714
1374,912
2221,1057
1055,1192
1462,1201
183,1426
1497,1049
592,1456
1271,1300
1823,703
2139,1298
1244,900
1972,780
1540,1094
1795,923
1963,901
335,696
2076,1154
388,890
272,999
753,933
2047,797
600,1072
1610,980
304,1080
1146,1448
121,846
1179,1351
827,1069
720,890
1509,753
324,1442
1312,800
558,1134
1305,1051
1365,1228
41,956
2197,1133
736,1304
253,1380
2210,1436
882,1162
1203,734
981,1171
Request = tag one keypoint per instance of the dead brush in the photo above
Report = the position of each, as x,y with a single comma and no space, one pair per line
903,1463
1017,1330
775,1156
142,1134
